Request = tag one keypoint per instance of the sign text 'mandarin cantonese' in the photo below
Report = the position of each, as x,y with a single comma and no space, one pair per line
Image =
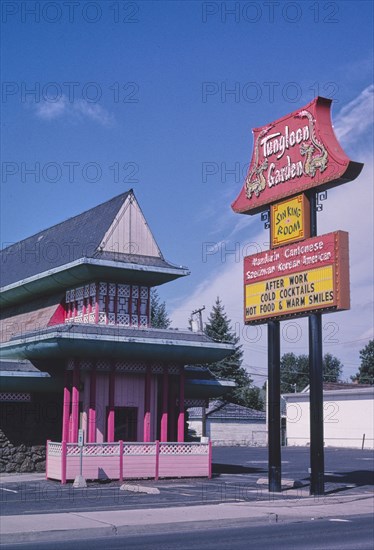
297,279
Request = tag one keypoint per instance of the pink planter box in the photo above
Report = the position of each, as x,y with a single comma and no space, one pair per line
128,460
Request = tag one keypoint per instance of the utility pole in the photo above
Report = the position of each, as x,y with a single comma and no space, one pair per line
199,311
203,409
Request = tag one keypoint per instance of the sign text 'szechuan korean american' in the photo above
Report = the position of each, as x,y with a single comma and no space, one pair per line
293,154
297,279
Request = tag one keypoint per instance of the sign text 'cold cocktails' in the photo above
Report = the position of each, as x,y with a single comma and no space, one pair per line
297,279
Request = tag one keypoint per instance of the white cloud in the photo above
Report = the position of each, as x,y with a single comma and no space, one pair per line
356,117
77,110
50,110
349,208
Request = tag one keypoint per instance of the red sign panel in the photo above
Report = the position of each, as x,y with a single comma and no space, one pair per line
297,279
293,154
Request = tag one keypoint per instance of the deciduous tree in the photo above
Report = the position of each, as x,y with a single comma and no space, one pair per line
365,374
295,371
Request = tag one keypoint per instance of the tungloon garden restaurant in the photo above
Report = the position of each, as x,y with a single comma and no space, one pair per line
80,361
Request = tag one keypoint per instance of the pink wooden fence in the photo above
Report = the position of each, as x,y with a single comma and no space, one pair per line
123,460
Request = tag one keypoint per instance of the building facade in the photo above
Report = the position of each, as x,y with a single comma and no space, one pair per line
228,424
76,336
348,416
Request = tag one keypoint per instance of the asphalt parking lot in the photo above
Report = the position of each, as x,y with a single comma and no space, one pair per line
236,471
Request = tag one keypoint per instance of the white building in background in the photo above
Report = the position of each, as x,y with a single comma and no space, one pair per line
348,416
228,424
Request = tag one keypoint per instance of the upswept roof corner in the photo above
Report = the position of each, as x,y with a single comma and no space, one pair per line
86,245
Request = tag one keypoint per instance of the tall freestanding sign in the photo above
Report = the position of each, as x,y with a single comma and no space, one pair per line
294,159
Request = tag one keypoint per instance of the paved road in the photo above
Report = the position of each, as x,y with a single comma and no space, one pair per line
350,466
236,470
229,511
348,533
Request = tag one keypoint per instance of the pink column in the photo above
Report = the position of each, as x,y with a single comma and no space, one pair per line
147,406
110,421
66,409
164,414
181,406
92,409
172,419
75,406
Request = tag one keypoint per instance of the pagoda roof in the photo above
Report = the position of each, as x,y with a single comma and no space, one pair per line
23,375
84,247
85,340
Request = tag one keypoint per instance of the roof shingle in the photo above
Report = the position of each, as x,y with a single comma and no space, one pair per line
74,238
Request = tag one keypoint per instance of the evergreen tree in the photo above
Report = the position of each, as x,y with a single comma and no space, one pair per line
218,328
159,316
365,374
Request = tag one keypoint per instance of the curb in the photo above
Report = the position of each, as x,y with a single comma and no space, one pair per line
59,536
108,530
90,525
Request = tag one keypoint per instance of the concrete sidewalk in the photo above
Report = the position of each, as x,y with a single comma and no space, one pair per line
19,478
296,505
78,525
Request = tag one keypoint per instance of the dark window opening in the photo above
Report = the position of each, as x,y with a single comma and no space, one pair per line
125,423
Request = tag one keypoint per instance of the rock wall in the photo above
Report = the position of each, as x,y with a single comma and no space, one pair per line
24,430
20,458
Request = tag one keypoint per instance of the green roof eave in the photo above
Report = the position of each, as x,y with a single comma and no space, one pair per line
57,344
30,382
207,388
84,270
21,374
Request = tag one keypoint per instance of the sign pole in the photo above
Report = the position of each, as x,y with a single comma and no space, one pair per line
317,461
295,157
275,485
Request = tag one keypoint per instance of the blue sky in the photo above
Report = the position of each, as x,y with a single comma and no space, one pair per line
162,97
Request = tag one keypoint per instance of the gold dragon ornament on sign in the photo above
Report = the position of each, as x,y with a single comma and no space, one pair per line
319,162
